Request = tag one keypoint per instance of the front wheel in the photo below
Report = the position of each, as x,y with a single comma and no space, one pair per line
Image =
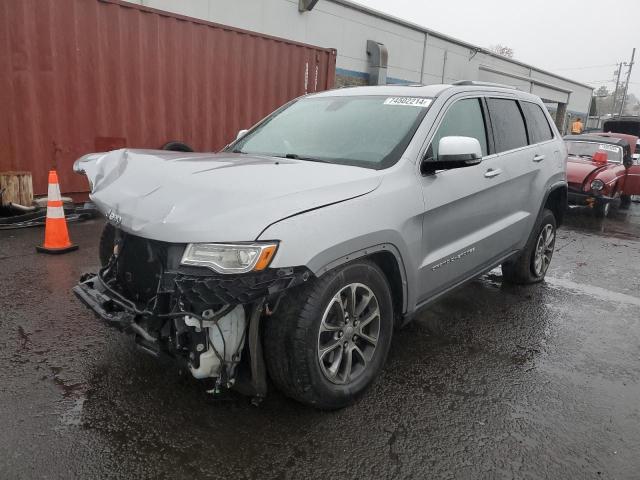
532,264
602,209
625,202
329,339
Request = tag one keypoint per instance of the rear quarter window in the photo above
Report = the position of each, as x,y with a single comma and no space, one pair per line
508,125
537,123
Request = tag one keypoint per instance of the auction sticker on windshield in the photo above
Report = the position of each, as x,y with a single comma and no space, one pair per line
408,101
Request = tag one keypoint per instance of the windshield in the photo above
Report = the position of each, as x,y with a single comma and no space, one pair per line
366,131
630,126
588,149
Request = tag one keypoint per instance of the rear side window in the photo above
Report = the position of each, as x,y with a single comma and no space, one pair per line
539,128
508,125
463,119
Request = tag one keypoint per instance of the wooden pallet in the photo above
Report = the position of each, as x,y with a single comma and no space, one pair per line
17,187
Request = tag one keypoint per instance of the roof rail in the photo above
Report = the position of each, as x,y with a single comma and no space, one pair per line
482,84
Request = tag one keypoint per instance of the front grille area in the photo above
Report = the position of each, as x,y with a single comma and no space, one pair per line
218,289
148,267
141,265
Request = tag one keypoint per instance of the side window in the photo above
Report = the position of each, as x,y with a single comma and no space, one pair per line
463,119
508,125
539,128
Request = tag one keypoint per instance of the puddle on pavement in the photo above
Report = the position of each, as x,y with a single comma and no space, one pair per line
73,398
620,224
72,410
72,417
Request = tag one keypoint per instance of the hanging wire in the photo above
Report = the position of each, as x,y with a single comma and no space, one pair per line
587,67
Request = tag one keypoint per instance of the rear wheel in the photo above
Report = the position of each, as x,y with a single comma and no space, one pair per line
329,339
532,264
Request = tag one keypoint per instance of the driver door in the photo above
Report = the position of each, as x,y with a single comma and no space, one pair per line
462,227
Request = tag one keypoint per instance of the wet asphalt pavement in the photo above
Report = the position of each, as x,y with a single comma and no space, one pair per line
493,381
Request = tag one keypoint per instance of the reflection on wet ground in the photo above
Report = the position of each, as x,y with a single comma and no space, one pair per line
595,292
623,224
493,381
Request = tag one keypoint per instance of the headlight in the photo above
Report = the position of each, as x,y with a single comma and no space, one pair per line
230,258
597,185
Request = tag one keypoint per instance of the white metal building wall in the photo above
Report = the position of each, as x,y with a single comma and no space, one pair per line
416,55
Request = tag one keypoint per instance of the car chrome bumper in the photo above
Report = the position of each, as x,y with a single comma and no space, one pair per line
587,199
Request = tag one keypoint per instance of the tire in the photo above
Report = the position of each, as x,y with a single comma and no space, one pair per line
107,239
625,202
293,338
602,209
177,147
524,269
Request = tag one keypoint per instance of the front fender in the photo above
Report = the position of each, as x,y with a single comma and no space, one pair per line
328,237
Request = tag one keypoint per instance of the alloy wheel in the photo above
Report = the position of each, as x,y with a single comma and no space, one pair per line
349,333
544,250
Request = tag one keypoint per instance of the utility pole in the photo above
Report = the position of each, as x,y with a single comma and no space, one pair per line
615,92
626,87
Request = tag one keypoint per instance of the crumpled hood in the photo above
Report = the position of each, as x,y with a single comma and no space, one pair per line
578,169
204,197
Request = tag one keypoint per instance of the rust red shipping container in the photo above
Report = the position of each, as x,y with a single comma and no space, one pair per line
80,76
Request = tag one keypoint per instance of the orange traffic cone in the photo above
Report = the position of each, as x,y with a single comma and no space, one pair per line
56,235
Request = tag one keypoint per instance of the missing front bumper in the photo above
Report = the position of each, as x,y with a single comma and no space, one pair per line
167,326
93,293
96,296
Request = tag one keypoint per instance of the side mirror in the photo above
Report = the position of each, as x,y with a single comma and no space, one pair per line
241,134
636,158
454,152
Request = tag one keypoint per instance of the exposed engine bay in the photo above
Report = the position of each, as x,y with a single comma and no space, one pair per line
209,322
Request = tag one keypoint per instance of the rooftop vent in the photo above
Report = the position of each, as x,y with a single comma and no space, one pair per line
378,59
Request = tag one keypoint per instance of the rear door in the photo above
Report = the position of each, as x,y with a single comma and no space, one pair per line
464,208
528,151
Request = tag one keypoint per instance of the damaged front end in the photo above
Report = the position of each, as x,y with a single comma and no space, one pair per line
202,318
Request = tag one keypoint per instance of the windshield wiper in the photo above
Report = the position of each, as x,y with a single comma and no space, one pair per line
295,156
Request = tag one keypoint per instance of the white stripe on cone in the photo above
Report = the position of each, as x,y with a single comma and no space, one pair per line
53,192
55,212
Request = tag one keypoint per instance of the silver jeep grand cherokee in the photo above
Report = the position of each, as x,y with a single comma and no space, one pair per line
295,251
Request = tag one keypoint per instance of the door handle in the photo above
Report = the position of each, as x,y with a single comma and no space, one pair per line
492,173
538,158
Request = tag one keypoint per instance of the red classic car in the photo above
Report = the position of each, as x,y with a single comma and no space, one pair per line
602,170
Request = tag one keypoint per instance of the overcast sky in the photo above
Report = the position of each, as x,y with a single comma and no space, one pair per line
562,36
